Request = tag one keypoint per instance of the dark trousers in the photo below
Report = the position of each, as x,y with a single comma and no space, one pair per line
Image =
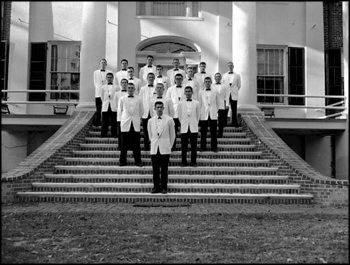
145,132
184,145
160,167
98,104
119,135
130,140
177,126
222,120
204,128
233,104
109,117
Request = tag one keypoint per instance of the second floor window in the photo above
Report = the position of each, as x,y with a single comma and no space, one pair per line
168,9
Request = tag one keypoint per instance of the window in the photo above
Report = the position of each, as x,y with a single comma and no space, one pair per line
64,68
271,76
296,75
169,9
37,79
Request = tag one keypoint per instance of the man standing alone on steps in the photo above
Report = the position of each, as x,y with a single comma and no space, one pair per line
161,132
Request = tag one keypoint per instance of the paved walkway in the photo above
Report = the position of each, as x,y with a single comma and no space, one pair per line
169,208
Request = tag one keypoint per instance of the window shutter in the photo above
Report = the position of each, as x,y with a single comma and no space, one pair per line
37,78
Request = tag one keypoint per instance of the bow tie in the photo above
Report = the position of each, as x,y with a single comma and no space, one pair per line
230,72
202,72
218,83
124,90
160,97
179,86
159,117
110,83
130,96
150,85
123,69
103,70
176,69
189,99
190,79
149,66
208,89
159,76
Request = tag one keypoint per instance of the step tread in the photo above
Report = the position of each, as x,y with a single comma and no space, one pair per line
173,159
150,167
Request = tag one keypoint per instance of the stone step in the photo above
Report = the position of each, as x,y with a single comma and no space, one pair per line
221,147
222,141
172,187
175,154
128,197
147,178
91,169
173,162
225,135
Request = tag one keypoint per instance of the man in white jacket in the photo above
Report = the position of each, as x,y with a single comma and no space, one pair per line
161,132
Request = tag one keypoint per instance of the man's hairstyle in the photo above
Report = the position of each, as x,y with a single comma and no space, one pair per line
160,84
178,74
109,73
230,63
124,79
208,77
158,103
150,73
124,60
202,63
189,87
217,74
150,56
130,67
159,66
103,59
131,83
176,59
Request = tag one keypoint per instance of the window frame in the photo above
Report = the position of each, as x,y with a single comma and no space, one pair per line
284,49
49,71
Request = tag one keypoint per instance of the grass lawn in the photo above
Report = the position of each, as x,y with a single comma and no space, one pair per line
174,238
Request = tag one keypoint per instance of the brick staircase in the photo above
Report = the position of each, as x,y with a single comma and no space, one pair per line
236,174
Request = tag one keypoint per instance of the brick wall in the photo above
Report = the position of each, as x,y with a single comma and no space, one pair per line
43,159
326,191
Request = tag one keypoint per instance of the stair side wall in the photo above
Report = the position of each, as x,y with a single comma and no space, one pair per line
49,154
327,191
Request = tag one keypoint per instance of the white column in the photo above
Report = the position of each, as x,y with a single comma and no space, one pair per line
39,31
93,49
346,54
244,53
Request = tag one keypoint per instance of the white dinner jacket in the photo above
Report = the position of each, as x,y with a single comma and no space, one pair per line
164,139
99,81
223,94
146,95
176,95
119,76
168,106
200,79
209,104
194,84
189,115
117,97
107,97
144,72
235,81
171,74
129,110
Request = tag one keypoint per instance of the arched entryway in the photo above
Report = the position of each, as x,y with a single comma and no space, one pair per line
165,48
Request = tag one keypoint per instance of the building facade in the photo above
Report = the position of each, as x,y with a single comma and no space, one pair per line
278,48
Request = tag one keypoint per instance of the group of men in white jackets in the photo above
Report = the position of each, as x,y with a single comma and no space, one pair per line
164,105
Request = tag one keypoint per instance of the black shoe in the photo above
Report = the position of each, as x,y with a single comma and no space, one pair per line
193,164
184,164
154,190
147,148
164,191
215,150
118,149
122,164
202,149
139,164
